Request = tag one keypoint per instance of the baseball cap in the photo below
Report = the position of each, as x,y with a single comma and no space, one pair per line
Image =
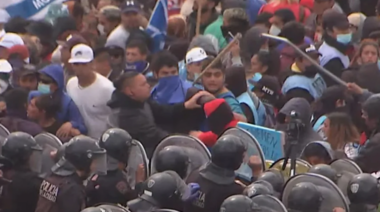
10,39
81,53
74,40
332,18
5,66
20,50
309,49
130,6
196,54
269,85
4,16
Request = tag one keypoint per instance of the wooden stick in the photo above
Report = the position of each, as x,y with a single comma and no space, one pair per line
199,15
219,56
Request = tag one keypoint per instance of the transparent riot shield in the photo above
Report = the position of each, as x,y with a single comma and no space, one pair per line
269,203
49,143
112,208
137,157
253,151
4,131
196,151
331,194
346,169
301,167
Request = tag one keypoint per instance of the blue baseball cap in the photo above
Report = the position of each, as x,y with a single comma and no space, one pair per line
131,6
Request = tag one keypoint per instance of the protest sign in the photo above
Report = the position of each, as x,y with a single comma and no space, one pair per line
271,141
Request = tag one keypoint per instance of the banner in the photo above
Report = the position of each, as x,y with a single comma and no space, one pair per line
271,141
29,9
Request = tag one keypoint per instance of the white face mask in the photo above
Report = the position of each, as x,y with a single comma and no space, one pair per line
274,30
101,29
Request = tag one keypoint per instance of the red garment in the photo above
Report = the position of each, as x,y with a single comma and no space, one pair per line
363,139
209,138
297,9
307,3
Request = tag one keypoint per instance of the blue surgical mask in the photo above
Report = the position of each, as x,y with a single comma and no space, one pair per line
344,38
138,66
43,88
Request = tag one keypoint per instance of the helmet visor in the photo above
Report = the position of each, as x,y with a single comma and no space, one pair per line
99,163
35,160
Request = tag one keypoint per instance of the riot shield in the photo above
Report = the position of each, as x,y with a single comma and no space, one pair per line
269,203
137,156
195,150
346,169
331,194
165,210
301,167
4,132
268,163
112,208
49,143
253,150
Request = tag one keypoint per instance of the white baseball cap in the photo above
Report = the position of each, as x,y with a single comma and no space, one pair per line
81,53
5,66
195,54
11,39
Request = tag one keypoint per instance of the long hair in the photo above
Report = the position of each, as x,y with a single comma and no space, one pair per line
356,60
341,131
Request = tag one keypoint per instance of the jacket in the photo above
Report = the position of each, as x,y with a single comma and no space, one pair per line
69,111
304,112
141,119
17,121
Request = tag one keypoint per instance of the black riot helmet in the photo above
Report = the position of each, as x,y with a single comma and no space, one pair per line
363,189
117,142
83,152
257,188
162,188
20,149
325,170
275,178
304,197
62,169
228,152
237,203
173,158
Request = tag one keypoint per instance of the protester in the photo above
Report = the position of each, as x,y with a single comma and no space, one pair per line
109,18
300,12
208,16
194,64
342,134
136,55
86,87
356,23
16,118
279,19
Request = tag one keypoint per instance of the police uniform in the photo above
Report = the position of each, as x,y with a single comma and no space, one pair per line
20,193
217,179
113,187
63,191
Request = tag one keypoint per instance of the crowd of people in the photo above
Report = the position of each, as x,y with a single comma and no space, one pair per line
91,75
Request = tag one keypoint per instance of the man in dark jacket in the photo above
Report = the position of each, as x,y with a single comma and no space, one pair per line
138,115
304,113
15,119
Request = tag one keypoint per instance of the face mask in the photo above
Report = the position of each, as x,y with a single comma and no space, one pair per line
170,80
43,88
101,29
274,30
196,76
344,38
138,66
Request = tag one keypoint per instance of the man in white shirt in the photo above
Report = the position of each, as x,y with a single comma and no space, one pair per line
89,90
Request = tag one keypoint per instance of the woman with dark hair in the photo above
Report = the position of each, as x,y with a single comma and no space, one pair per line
43,110
342,134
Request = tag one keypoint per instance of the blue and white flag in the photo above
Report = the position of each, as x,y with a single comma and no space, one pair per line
29,9
158,24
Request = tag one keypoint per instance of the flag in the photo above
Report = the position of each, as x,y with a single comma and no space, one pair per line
29,9
158,24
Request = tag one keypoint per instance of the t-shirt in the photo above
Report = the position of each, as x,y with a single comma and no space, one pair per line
118,37
92,103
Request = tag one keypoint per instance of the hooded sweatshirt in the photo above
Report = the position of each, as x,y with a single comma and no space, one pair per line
304,112
69,111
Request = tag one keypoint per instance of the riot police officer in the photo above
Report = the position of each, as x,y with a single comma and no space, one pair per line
63,190
113,187
21,159
304,197
259,187
237,203
173,158
325,170
217,179
275,178
162,190
363,192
